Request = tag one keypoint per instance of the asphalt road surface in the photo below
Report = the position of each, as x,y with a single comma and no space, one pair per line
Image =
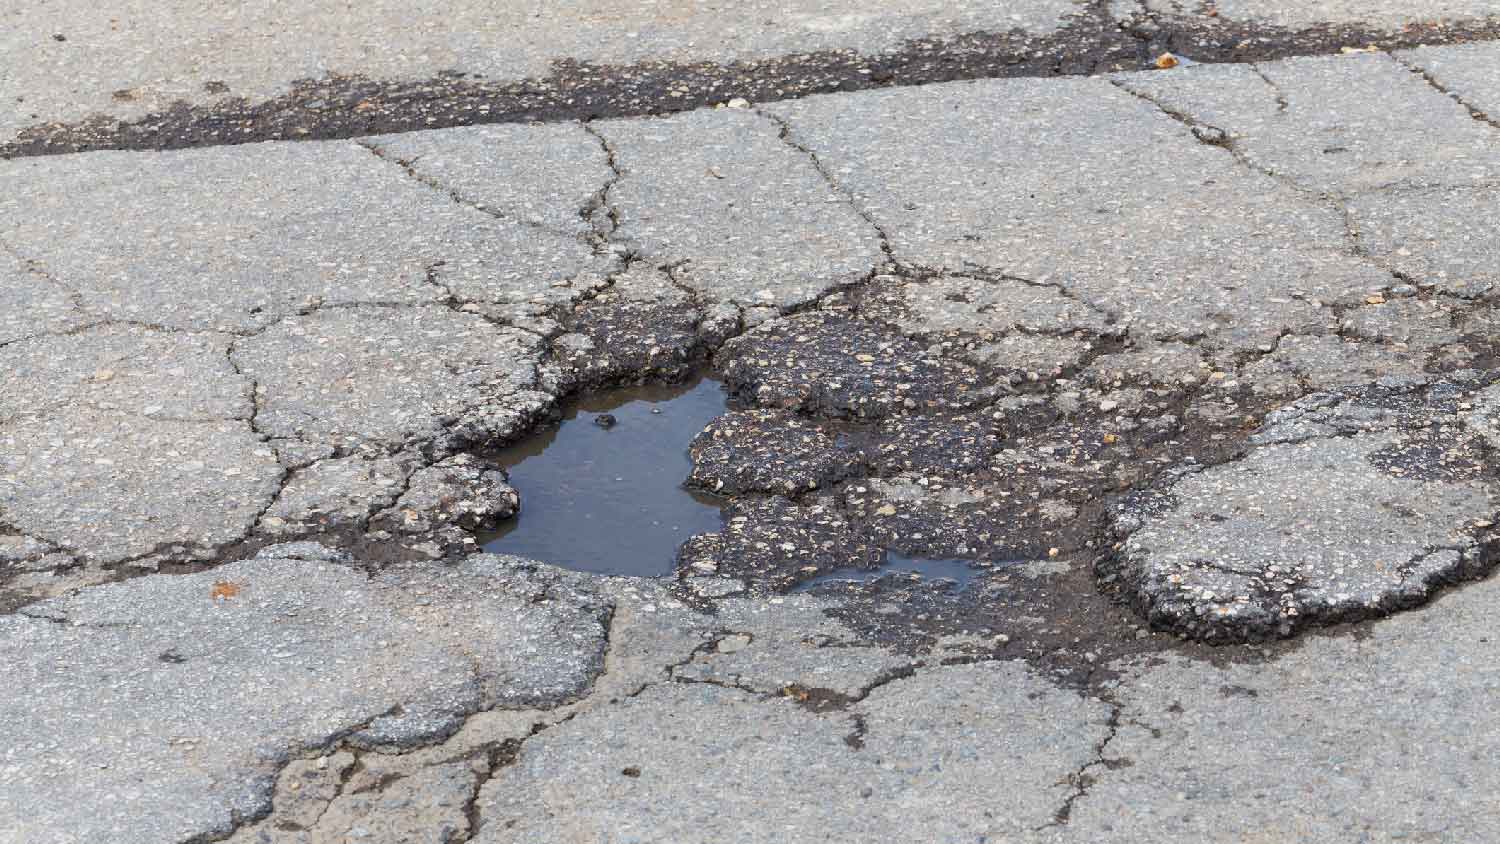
1172,329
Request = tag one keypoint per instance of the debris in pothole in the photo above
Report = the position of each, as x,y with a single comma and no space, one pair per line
773,543
834,365
769,451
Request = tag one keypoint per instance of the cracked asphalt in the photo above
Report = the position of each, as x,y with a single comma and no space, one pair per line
1192,367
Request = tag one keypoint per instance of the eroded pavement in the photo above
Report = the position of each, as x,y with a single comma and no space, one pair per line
1196,366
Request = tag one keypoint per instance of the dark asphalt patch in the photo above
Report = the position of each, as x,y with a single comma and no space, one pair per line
353,106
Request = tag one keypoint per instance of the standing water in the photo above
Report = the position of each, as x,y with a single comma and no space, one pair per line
606,495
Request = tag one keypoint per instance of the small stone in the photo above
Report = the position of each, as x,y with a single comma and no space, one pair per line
605,420
733,644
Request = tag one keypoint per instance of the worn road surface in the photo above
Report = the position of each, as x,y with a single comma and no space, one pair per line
1173,327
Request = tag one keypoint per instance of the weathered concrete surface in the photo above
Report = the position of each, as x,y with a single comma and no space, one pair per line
1323,123
170,702
388,377
31,303
548,176
1467,72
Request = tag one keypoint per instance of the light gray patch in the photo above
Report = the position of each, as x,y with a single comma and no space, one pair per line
739,215
1418,324
544,175
210,682
1023,357
314,224
126,369
1199,760
1176,365
1324,122
1470,72
108,486
1110,199
1302,364
1446,239
970,305
389,377
337,493
1315,529
874,768
32,304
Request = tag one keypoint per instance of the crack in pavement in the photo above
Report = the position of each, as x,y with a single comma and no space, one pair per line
785,133
1474,111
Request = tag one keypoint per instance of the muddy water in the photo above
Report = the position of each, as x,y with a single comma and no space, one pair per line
610,500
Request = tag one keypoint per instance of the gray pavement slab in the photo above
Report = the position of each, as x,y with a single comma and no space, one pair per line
738,215
210,682
388,377
124,368
1371,737
109,486
321,224
1348,506
936,757
547,176
148,56
1092,191
1444,238
31,303
1323,123
336,492
1468,72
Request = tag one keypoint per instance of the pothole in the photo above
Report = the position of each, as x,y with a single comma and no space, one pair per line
609,498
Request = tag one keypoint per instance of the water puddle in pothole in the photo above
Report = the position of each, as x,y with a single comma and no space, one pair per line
611,500
956,575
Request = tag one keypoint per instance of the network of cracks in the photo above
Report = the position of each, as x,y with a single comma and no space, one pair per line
1095,496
